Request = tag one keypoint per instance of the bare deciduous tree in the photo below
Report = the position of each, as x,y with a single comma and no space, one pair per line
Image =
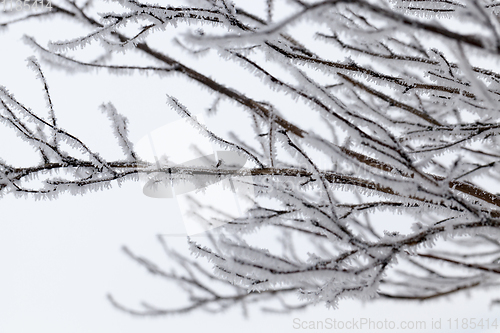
405,98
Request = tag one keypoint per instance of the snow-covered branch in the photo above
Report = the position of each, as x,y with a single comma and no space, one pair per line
403,107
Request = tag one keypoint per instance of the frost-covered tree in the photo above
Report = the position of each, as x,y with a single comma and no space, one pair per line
371,106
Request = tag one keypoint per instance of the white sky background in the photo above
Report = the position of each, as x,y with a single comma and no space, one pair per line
60,258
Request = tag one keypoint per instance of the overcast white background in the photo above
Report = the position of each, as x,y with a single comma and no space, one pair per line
59,259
